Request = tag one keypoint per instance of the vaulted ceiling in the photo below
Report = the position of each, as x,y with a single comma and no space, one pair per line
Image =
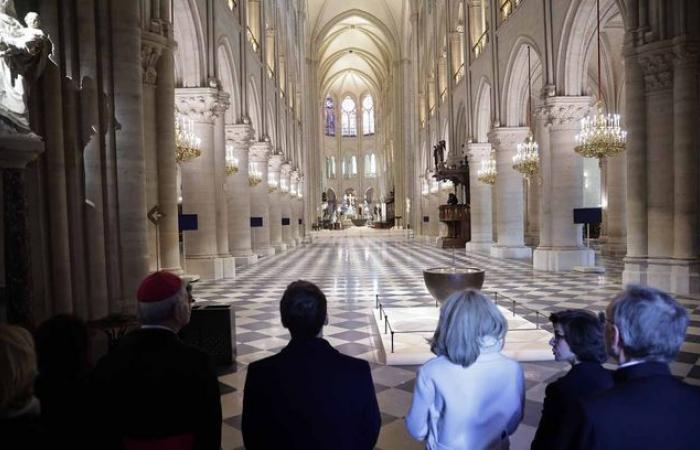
356,42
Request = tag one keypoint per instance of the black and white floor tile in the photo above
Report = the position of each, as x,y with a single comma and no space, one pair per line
353,271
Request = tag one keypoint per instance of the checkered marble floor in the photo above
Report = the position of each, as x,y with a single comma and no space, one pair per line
353,270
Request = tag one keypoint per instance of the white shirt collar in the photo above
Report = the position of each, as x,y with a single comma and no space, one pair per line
157,327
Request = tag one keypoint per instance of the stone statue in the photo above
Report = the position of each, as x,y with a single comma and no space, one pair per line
439,154
24,52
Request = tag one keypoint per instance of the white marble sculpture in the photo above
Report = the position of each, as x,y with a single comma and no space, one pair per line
24,51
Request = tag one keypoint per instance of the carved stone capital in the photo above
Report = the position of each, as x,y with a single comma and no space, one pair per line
275,162
506,138
150,54
686,54
657,68
564,112
285,170
478,151
202,105
259,152
239,134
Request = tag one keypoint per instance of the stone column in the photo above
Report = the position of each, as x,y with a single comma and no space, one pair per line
238,195
532,229
131,189
259,200
222,247
636,199
167,166
561,247
616,188
199,184
302,215
685,272
286,207
294,219
273,179
509,195
480,200
150,53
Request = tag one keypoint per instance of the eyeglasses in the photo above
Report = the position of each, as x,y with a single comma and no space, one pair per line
558,336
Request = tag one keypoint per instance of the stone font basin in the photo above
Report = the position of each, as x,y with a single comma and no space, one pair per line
443,281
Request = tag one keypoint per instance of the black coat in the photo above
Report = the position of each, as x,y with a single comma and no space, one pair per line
561,400
647,409
310,396
154,385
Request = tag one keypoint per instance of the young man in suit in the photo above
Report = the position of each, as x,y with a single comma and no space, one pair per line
648,408
153,390
309,395
578,340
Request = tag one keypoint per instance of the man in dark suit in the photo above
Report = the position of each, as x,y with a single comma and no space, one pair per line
309,396
647,409
578,340
153,390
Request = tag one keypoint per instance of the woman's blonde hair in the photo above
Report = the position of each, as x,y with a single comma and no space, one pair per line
17,367
467,319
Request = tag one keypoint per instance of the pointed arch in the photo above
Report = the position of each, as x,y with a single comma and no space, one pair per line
484,110
227,73
515,96
189,53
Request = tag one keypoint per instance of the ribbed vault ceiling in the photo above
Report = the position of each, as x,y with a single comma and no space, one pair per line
356,42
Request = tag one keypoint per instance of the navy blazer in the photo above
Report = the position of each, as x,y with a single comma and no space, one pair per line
561,400
647,409
153,385
310,396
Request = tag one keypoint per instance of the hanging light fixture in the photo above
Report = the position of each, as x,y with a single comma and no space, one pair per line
601,135
187,144
254,175
487,171
231,161
527,156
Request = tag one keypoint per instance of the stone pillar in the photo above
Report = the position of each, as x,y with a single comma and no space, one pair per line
273,180
238,194
229,264
636,199
532,229
150,53
615,205
294,219
285,204
168,231
302,215
685,272
509,195
480,200
131,168
199,184
259,200
561,247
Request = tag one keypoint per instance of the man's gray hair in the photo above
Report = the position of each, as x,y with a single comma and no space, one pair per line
652,324
469,320
157,313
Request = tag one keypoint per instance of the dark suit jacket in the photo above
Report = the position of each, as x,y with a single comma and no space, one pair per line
154,385
647,409
561,400
310,396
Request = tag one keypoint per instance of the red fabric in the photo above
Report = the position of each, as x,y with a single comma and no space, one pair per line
158,286
179,442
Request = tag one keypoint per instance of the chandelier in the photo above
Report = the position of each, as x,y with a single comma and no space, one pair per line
231,161
254,176
487,171
601,135
527,156
187,145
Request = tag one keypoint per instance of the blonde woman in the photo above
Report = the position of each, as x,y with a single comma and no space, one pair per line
470,396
